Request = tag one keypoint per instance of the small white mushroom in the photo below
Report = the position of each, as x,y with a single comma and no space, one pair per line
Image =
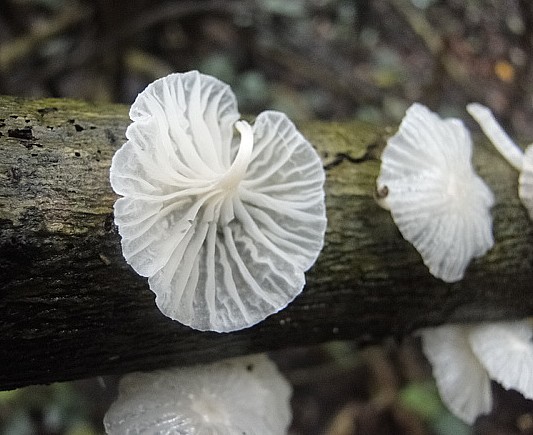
506,351
525,181
503,143
224,230
462,381
238,396
521,161
465,358
436,199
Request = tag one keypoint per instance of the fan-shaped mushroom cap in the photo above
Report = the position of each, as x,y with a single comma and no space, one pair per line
242,395
437,201
463,382
506,351
521,161
224,230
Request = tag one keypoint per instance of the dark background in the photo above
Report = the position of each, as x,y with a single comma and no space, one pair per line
326,59
313,59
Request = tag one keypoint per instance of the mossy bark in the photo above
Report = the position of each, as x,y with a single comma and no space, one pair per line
71,307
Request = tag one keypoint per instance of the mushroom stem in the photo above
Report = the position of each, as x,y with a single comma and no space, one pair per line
503,143
239,166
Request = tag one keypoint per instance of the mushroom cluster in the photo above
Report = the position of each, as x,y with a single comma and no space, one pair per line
436,199
223,229
246,395
466,357
443,208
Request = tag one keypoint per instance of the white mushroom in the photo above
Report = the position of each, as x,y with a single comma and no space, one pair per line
465,358
525,181
238,396
223,230
462,381
522,161
503,143
506,351
436,199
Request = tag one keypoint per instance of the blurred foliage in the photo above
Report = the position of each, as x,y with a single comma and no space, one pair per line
422,398
326,59
60,408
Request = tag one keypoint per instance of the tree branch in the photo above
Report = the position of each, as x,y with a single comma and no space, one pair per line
71,307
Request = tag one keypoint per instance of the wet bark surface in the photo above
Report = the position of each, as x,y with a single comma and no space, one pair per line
71,307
